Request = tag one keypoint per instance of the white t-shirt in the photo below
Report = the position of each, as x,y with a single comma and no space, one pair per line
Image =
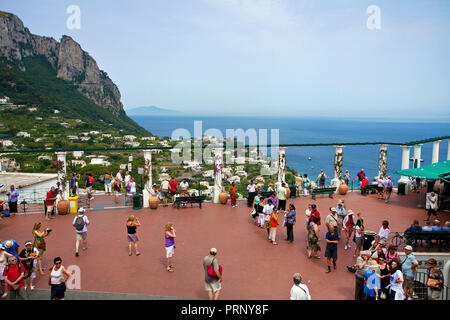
384,233
300,292
184,185
394,277
307,213
381,183
127,178
119,176
165,185
132,187
86,221
358,233
268,209
251,188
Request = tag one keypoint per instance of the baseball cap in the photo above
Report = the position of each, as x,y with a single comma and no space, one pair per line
333,209
81,210
28,243
213,250
409,248
313,206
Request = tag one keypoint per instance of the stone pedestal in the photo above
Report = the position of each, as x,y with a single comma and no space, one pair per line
338,160
417,155
281,166
147,177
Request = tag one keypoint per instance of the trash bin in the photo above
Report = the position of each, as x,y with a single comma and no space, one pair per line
401,188
137,201
293,188
73,204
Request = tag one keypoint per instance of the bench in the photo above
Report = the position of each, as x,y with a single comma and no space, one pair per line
368,188
442,238
189,200
325,190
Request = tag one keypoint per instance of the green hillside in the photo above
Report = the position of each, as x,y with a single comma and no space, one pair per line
39,87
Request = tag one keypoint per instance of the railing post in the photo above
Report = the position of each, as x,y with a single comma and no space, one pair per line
417,155
405,165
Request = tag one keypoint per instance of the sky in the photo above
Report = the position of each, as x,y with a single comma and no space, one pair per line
257,57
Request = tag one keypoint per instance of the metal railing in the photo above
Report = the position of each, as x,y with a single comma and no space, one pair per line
421,290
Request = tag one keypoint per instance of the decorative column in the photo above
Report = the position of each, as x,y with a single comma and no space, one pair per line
281,167
382,162
338,158
417,155
435,156
405,165
448,152
147,177
62,173
218,163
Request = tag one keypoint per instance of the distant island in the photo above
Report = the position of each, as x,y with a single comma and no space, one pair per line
152,111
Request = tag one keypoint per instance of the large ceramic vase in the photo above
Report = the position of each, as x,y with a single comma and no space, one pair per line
153,201
288,192
223,197
63,207
343,188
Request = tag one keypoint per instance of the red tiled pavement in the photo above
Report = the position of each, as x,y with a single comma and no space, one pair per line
253,267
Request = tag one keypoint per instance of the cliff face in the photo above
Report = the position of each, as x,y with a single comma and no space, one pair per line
67,58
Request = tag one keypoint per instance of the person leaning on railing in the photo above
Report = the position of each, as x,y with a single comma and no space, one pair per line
434,280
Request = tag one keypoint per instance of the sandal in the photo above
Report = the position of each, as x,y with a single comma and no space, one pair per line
130,253
317,257
32,288
274,243
4,295
138,253
169,269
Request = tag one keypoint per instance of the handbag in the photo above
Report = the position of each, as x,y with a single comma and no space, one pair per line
253,213
433,283
210,269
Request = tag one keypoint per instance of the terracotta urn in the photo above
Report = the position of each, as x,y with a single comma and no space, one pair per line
223,197
343,188
288,192
63,207
153,201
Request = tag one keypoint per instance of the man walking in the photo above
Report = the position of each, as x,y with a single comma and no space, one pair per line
13,195
299,291
213,276
388,185
281,194
50,203
409,266
332,240
80,222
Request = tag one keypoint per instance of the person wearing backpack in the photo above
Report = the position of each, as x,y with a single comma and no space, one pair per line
213,275
80,222
321,179
13,274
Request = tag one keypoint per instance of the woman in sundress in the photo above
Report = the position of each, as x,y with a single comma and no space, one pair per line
313,244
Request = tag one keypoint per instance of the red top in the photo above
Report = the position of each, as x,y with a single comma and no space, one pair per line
315,214
364,183
173,185
14,273
273,222
50,194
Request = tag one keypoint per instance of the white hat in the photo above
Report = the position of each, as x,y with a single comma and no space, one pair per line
8,244
81,210
409,248
213,250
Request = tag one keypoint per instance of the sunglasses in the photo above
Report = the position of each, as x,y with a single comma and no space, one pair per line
58,263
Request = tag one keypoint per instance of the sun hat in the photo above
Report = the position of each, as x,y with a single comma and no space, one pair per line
81,210
373,264
333,209
28,243
382,242
408,247
350,212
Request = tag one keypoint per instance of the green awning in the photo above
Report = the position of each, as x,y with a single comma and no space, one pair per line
435,171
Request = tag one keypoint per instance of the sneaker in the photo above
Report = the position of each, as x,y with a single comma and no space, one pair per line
346,247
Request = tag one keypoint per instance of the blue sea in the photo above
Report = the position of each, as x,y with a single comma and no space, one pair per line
308,130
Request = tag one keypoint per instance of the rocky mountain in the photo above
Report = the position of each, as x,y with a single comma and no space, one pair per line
66,57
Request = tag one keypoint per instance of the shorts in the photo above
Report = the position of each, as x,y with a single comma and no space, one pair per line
89,189
132,237
170,251
213,286
408,282
81,235
331,252
116,193
164,193
49,209
173,192
359,242
58,291
1,273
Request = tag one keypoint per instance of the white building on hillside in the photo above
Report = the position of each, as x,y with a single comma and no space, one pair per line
129,137
78,154
4,100
7,143
23,134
